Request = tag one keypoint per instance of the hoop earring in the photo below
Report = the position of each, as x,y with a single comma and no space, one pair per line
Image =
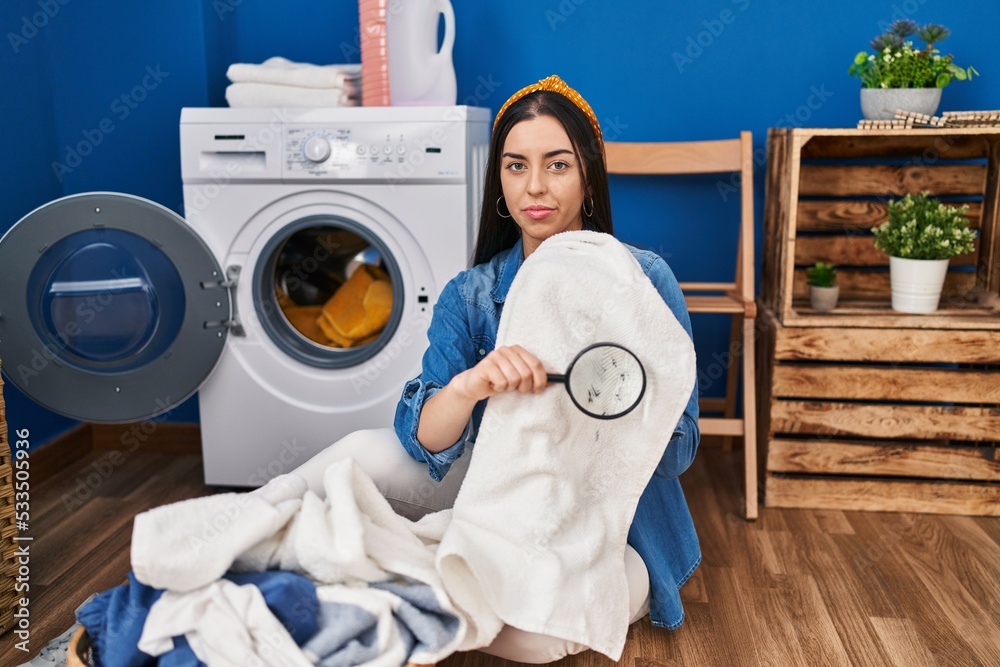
591,207
498,209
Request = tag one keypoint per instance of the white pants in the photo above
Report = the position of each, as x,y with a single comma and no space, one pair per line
412,493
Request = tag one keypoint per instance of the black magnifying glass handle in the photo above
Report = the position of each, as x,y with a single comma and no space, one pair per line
555,377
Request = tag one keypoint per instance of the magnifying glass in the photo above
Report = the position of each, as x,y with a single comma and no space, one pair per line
605,380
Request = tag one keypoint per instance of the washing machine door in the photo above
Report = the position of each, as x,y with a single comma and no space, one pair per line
112,309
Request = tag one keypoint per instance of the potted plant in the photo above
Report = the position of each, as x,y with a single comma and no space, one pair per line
920,236
899,76
823,287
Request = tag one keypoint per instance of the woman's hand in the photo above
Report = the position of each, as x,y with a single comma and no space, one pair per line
446,414
509,368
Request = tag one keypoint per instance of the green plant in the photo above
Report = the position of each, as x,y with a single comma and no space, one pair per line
822,275
897,64
921,227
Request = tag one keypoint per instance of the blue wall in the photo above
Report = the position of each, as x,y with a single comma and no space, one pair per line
652,70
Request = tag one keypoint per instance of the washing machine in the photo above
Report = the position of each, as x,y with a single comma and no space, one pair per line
295,293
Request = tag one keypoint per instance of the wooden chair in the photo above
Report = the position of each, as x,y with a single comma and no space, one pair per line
734,298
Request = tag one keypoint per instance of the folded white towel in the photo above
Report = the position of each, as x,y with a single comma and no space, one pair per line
225,624
287,73
539,527
273,95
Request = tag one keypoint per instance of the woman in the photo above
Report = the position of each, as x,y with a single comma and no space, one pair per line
545,175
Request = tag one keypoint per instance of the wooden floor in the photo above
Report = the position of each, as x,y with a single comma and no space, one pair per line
798,587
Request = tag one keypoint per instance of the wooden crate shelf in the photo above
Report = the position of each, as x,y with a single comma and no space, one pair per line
826,190
880,419
865,408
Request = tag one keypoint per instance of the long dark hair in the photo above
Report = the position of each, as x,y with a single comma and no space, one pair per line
496,233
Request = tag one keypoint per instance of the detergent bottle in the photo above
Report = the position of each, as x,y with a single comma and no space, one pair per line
374,53
419,72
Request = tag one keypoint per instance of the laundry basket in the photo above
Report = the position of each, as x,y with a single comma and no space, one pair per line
78,653
8,529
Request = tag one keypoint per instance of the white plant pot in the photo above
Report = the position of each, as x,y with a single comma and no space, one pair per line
917,284
881,103
824,299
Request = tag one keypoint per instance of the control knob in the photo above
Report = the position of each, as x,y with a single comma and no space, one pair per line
316,149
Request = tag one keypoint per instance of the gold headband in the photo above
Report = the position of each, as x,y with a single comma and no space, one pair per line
556,85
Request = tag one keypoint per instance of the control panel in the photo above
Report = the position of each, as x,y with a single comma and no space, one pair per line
400,151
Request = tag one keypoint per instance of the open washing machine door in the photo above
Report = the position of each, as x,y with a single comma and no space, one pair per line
112,309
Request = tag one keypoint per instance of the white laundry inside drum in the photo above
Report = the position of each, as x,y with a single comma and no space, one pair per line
333,287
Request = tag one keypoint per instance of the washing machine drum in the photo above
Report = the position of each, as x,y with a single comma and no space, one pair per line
111,309
328,292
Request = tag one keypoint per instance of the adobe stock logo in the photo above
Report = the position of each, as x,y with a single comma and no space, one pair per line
566,9
122,107
31,25
704,39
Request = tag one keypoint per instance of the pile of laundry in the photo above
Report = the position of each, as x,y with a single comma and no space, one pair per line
277,577
279,82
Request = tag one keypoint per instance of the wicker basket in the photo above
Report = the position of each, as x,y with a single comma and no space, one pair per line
78,652
8,529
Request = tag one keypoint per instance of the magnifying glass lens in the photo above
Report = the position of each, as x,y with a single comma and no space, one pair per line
605,381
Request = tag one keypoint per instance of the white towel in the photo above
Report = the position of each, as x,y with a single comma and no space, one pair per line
272,95
287,73
225,624
539,527
353,536
186,545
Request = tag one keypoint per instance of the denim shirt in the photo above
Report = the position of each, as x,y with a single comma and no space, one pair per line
463,330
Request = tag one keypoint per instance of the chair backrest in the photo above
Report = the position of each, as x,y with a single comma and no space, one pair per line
701,157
